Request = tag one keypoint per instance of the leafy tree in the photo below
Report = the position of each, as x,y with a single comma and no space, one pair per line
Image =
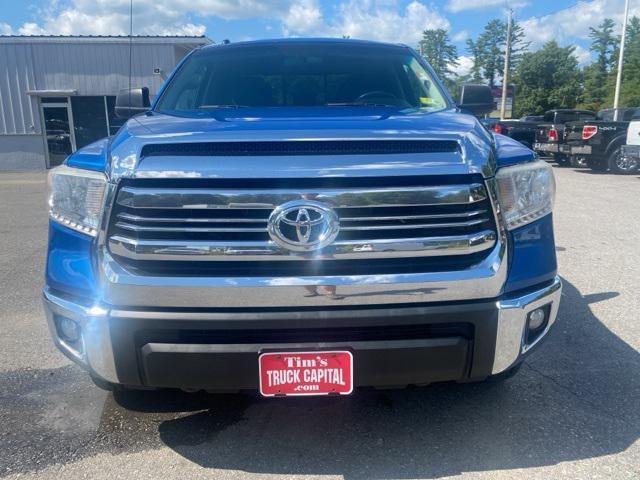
489,49
546,79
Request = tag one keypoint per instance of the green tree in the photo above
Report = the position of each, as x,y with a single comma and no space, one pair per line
596,76
545,79
489,49
630,87
475,74
438,50
603,43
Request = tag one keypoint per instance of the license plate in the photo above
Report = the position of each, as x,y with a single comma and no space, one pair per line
545,147
306,373
584,150
565,149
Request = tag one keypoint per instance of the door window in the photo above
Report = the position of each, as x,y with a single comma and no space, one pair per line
58,133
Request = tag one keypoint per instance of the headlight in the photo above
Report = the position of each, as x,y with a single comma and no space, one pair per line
526,192
75,198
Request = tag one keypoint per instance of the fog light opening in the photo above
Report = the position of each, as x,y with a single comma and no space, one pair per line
68,330
537,321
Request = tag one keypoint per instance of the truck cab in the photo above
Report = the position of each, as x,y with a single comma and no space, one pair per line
301,217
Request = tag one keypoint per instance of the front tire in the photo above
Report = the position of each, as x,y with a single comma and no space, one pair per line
622,165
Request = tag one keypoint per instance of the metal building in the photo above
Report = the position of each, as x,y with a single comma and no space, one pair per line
57,93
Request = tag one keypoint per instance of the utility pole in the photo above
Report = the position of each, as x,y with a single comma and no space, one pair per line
505,75
616,97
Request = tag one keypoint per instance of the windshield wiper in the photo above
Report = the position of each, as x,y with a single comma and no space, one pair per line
230,105
357,104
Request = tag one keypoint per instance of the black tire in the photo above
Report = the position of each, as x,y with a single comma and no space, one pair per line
622,165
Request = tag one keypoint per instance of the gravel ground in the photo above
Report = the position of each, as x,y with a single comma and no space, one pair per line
573,411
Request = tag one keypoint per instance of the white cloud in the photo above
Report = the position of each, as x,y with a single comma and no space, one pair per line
5,29
461,36
566,25
303,16
582,54
370,19
460,5
151,17
367,19
464,66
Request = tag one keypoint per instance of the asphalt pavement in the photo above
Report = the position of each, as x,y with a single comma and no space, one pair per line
573,411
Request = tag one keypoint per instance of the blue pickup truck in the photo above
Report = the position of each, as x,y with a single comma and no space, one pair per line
300,217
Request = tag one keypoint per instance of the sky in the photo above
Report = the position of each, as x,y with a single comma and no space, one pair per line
566,21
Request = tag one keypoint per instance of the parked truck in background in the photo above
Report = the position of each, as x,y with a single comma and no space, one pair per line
599,142
549,137
301,217
520,130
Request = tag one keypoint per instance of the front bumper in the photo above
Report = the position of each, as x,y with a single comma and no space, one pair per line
218,349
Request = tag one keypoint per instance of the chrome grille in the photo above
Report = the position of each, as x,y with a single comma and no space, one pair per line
171,220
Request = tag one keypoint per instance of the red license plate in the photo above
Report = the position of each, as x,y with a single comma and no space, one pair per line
306,373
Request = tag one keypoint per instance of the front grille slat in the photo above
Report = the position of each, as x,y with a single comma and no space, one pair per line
152,222
141,228
202,198
414,227
413,217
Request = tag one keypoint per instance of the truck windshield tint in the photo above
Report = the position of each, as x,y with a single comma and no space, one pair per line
300,75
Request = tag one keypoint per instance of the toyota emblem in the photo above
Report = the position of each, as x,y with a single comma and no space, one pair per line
303,225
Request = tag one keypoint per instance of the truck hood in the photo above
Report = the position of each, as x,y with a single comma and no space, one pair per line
474,153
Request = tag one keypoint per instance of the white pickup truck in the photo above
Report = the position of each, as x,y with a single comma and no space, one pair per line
631,151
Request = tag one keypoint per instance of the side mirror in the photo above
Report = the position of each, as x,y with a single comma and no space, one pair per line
476,99
132,102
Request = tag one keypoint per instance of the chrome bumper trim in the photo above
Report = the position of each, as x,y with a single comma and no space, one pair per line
512,318
96,352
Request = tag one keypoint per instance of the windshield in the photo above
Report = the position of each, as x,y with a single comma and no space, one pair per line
301,75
